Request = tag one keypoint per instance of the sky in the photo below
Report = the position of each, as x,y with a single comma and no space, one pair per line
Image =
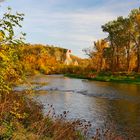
71,24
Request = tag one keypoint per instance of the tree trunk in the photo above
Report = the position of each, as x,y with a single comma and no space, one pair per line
138,55
117,58
113,58
138,59
128,57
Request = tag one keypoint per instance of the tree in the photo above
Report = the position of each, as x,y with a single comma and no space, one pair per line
9,51
123,53
96,53
115,32
121,45
7,24
135,33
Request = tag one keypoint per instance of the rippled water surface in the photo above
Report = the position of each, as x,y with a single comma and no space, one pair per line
98,102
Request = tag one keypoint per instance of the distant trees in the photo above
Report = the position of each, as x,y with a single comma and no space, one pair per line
120,51
97,54
41,58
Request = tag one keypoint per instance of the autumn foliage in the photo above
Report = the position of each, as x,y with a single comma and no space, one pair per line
120,50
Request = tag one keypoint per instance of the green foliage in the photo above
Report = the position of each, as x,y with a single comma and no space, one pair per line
7,24
6,130
123,45
10,68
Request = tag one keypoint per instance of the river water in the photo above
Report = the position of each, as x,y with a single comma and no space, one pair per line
100,103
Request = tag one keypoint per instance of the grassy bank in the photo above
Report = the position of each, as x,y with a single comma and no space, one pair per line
128,79
22,118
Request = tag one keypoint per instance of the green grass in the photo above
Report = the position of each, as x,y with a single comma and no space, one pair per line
111,78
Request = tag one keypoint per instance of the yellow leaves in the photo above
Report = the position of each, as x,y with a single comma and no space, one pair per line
3,56
37,58
30,58
100,45
4,88
138,18
2,130
16,111
1,36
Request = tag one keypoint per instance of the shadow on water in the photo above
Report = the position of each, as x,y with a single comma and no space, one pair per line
98,102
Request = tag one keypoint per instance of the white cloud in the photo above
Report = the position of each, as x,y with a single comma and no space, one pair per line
79,27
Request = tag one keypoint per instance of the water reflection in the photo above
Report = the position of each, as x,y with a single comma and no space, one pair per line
98,102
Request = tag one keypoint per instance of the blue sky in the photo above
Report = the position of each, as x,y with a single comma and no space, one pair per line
72,24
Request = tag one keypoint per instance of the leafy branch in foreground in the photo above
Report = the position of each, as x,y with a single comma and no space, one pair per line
7,24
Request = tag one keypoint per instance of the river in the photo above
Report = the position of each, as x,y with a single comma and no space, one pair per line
100,103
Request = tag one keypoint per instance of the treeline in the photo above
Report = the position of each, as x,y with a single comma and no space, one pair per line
41,58
46,59
120,51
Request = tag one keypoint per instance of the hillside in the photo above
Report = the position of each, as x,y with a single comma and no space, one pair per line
44,58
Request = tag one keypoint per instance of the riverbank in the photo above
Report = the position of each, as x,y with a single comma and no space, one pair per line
108,78
22,118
